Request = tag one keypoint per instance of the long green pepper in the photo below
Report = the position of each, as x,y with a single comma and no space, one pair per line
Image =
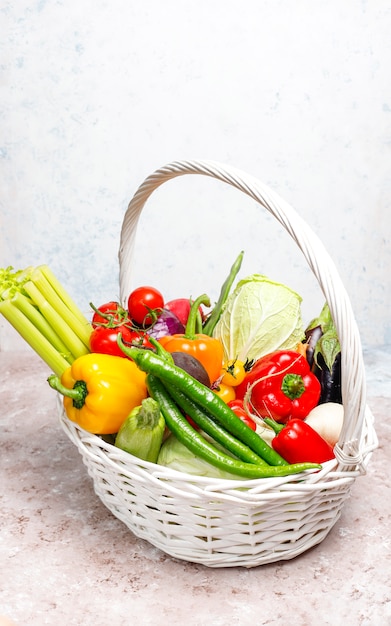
197,444
224,293
152,363
214,429
156,365
204,420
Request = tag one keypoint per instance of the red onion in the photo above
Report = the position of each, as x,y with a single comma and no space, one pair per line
166,324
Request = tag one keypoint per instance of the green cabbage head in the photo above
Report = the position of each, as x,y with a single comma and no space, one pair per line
259,317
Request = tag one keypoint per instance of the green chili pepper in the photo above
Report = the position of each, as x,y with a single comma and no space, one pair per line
204,421
151,363
195,442
224,293
214,429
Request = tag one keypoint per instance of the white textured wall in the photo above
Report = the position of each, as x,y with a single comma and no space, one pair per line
95,95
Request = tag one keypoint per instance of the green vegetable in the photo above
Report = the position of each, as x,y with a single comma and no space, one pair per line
175,455
259,317
154,364
214,317
328,343
197,444
141,434
208,425
42,312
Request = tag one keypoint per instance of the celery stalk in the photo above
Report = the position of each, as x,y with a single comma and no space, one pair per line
25,305
63,294
38,342
66,310
58,321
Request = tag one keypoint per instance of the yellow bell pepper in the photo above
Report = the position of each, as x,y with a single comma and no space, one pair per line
100,390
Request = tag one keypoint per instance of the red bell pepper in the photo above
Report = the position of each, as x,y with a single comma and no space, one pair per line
298,442
281,386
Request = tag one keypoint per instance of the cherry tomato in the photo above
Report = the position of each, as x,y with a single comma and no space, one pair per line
104,339
142,303
236,404
225,392
233,372
112,313
140,340
239,410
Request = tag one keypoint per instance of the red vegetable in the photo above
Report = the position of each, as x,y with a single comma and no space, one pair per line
109,313
238,408
145,305
181,308
103,339
281,385
140,340
298,442
166,324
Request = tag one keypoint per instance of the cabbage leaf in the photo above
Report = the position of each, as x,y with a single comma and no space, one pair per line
259,317
177,456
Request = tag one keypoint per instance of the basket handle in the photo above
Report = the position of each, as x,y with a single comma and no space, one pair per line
353,374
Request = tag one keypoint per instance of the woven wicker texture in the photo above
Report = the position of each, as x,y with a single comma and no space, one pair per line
223,523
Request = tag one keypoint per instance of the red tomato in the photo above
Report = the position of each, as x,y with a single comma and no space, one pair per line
113,313
144,305
104,339
140,340
239,410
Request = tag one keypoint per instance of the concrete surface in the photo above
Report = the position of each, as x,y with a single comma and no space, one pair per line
65,560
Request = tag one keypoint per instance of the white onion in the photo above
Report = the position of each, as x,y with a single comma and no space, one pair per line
327,420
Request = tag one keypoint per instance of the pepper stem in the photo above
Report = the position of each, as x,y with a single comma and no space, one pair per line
273,424
190,330
293,386
158,347
78,393
130,352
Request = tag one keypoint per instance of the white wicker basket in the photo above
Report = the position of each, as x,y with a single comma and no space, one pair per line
224,523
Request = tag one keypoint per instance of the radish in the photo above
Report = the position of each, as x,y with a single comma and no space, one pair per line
181,308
